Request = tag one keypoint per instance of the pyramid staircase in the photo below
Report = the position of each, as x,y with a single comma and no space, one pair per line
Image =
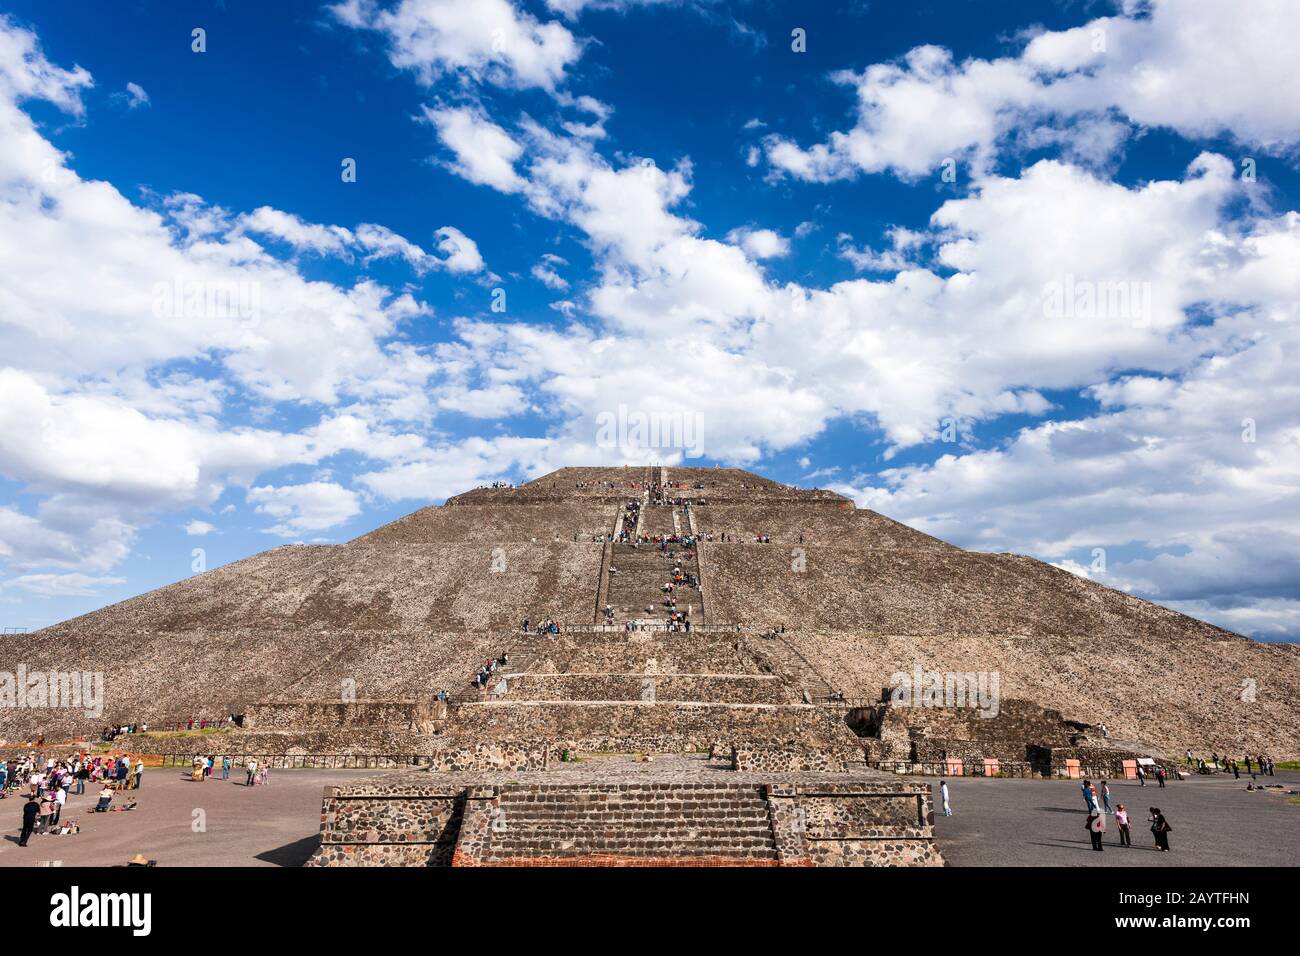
631,823
642,571
521,651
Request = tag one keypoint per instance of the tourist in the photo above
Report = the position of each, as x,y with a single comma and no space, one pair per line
1105,796
1142,777
1096,825
31,810
139,770
1189,757
48,809
1089,796
60,798
943,798
1160,829
1160,777
225,765
251,767
1121,822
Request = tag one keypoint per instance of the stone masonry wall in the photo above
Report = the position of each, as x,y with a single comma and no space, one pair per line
855,824
718,688
660,726
792,760
331,715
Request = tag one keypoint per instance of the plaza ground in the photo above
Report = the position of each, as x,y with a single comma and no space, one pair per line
1215,820
995,823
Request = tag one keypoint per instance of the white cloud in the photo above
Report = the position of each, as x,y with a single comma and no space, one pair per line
136,96
460,251
60,585
25,73
488,41
197,528
1195,66
760,243
485,153
314,506
370,240
544,272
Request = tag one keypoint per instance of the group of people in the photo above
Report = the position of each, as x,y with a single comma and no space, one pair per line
484,673
110,733
548,626
1097,800
70,774
631,516
1260,763
50,782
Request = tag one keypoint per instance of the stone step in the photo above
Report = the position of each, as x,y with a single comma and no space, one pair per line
516,832
687,788
545,847
710,820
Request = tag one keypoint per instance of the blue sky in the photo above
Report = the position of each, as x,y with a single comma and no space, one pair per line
686,216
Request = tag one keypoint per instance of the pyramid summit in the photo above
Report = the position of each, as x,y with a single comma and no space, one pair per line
618,555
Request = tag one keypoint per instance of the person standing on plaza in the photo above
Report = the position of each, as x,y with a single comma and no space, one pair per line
1105,796
31,810
1122,824
1096,825
943,798
60,798
1160,829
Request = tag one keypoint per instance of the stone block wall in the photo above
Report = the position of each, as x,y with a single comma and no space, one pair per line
660,726
393,829
856,824
717,688
335,714
643,652
423,822
792,760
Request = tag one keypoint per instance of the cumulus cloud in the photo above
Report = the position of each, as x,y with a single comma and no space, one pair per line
370,241
25,73
1194,66
760,243
489,41
314,506
484,152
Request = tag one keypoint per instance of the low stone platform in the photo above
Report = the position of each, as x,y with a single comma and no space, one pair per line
683,810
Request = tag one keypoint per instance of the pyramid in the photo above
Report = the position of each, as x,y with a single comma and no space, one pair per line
803,611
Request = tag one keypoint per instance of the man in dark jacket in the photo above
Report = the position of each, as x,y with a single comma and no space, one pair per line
30,812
